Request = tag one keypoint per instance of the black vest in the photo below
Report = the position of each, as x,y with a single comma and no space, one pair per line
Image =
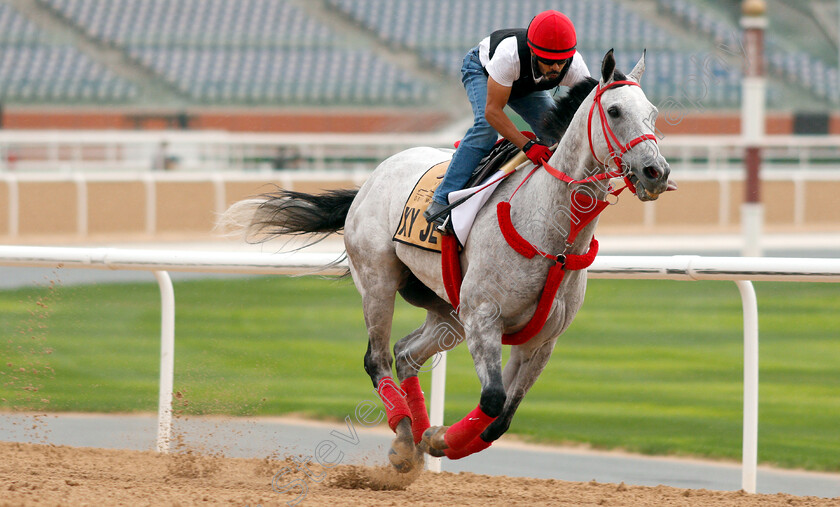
525,84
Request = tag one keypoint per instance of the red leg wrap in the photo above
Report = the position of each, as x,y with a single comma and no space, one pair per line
417,405
464,431
476,445
394,399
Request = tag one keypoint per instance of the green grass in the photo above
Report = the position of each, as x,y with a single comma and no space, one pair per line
648,366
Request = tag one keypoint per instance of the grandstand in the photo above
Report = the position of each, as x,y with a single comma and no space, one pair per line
797,67
269,56
34,69
248,51
251,83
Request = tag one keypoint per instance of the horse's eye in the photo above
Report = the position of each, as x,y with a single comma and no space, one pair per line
614,111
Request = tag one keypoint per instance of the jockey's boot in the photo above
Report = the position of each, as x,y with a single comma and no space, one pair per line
437,213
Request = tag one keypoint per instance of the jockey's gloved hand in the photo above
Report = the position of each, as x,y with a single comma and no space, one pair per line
537,152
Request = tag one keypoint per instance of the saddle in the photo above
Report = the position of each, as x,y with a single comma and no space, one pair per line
413,229
502,152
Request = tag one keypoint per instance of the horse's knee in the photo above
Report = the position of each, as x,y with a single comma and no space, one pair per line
496,429
492,401
369,368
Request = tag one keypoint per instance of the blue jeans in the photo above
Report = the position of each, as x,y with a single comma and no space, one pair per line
480,138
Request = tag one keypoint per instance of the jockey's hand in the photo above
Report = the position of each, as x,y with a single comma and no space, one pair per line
537,152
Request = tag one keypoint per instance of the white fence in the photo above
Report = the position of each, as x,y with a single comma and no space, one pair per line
741,270
82,182
118,151
11,200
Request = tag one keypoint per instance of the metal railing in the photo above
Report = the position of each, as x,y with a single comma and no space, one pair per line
25,151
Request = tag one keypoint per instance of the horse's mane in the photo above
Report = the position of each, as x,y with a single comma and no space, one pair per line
559,116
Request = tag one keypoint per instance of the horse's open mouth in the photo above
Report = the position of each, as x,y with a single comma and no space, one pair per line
641,192
646,195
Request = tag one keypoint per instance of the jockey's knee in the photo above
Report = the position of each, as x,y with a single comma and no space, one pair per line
481,138
492,401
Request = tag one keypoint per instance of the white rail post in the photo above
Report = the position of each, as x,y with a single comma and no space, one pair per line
150,185
81,204
167,360
436,404
750,444
14,205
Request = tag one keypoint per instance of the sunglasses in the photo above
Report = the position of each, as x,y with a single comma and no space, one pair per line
552,62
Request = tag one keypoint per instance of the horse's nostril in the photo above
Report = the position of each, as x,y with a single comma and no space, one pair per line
650,173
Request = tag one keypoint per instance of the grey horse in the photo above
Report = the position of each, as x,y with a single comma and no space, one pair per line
500,289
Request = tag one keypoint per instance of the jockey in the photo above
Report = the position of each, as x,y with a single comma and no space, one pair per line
513,67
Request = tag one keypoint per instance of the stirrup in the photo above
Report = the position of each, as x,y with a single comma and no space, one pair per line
446,226
440,216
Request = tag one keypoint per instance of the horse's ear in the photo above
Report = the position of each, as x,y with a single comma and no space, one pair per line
607,68
639,69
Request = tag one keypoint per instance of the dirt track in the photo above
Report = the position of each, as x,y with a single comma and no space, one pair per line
59,475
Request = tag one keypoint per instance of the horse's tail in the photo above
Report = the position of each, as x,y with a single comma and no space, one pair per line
288,212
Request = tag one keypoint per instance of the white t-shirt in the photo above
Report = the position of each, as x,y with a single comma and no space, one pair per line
504,66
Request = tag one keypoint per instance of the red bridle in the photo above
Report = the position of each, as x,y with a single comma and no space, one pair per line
608,133
609,137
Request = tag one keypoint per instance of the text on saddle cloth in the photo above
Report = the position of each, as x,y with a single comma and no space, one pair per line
414,230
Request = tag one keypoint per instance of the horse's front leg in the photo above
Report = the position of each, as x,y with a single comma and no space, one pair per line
523,369
484,339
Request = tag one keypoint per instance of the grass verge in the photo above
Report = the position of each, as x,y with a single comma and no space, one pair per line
648,366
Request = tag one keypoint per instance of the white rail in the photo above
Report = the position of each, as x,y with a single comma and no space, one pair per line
115,150
742,270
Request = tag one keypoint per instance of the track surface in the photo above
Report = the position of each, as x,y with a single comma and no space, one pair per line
36,475
282,437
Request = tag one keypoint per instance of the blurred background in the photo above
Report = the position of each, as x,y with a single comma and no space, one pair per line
140,119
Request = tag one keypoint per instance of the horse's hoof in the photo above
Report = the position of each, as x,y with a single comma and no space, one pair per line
433,437
399,463
403,456
424,448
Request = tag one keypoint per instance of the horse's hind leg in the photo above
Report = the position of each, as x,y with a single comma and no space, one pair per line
440,331
377,278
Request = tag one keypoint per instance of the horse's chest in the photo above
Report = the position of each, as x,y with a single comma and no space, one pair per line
515,293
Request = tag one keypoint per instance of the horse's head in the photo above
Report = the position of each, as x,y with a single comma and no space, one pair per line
621,130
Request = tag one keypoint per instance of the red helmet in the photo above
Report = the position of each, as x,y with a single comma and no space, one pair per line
551,36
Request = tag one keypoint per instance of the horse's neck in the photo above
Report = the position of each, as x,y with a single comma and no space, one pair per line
573,155
550,198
